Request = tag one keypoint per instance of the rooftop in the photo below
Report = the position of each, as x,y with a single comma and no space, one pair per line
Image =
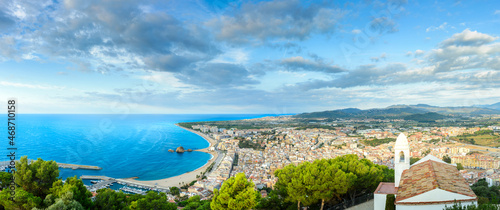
430,175
386,188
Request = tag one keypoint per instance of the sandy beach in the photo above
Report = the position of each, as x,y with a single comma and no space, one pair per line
186,177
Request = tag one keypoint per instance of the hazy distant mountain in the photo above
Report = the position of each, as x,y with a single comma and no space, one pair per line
358,113
492,106
463,110
419,112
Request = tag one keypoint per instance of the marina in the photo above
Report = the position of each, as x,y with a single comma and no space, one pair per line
101,182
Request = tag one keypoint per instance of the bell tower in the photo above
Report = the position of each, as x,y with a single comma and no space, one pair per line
401,158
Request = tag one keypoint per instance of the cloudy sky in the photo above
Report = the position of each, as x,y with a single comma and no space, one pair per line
222,56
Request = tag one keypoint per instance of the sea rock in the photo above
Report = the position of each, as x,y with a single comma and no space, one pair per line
171,150
189,150
180,149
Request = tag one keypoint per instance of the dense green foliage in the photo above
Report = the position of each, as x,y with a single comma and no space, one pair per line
483,132
153,200
481,137
484,193
77,189
5,179
274,201
194,203
376,142
413,160
250,144
425,117
38,187
460,167
37,177
318,184
458,206
34,182
330,181
175,191
447,159
235,193
389,202
109,199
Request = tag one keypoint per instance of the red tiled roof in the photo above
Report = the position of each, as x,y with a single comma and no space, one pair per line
386,188
430,175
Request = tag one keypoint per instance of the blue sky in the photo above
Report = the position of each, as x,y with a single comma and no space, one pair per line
196,56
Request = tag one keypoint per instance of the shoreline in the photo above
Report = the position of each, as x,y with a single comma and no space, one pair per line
187,177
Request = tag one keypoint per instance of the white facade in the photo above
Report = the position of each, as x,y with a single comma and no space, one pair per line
430,206
437,195
433,199
379,201
401,157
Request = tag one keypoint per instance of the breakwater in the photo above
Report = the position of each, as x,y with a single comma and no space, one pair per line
61,165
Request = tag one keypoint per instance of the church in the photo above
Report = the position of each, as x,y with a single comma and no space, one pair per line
428,184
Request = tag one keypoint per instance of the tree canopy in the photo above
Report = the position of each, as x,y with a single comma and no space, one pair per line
330,180
153,201
37,177
318,184
235,193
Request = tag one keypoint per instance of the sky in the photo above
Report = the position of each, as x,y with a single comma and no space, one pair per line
222,56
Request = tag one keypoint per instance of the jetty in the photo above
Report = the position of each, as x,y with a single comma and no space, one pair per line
75,166
60,165
105,178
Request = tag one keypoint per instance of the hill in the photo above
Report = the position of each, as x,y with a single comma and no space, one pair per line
419,112
360,114
463,110
492,106
426,117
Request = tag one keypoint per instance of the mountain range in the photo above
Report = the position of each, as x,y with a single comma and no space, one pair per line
419,112
492,106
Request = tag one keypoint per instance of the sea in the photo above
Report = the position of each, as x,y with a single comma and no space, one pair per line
123,146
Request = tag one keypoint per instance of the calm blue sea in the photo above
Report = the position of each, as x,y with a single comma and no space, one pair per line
123,145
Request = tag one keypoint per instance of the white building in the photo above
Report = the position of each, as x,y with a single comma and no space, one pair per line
428,184
401,157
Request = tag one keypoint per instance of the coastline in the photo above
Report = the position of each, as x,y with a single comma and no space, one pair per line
186,177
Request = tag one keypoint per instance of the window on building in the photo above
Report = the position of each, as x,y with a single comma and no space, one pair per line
402,157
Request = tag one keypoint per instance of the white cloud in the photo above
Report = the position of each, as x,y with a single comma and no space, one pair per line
22,85
261,22
233,56
419,52
467,50
383,56
356,31
497,12
434,28
300,63
468,37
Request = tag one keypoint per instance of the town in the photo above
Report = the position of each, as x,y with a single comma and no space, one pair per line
259,152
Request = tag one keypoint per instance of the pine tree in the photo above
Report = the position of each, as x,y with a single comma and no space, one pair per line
236,193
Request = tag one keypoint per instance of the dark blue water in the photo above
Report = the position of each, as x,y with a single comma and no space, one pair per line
123,145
